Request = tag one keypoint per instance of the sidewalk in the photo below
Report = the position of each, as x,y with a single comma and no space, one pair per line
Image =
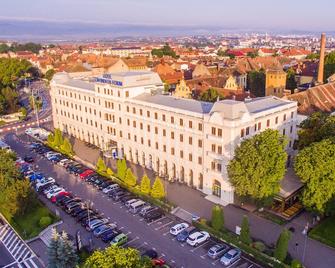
317,255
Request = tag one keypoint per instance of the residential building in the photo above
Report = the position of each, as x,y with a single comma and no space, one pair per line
181,139
275,82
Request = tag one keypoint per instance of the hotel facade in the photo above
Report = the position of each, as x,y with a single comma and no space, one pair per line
181,139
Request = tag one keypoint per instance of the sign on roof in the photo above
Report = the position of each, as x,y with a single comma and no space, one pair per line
107,79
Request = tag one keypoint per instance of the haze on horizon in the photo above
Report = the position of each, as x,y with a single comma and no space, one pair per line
257,14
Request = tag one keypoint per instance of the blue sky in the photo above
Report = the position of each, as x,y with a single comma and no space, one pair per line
252,14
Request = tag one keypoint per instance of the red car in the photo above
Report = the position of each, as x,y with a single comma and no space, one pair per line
54,198
86,173
157,262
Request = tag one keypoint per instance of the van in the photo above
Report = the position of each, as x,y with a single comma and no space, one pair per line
136,207
131,201
111,188
51,153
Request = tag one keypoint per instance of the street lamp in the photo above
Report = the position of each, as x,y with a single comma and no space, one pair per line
305,233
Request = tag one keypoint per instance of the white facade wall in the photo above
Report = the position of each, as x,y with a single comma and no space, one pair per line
146,134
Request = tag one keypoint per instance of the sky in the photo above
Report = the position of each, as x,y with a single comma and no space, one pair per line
247,14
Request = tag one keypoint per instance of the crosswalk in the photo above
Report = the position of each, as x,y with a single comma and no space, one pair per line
23,256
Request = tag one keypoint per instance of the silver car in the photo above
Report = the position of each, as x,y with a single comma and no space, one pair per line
231,256
217,251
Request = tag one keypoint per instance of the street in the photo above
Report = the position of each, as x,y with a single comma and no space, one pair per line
142,235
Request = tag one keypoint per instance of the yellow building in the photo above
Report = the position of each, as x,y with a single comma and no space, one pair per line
182,90
275,82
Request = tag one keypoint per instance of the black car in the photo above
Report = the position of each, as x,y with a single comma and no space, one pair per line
126,198
83,218
79,170
117,195
65,203
70,168
150,253
109,235
105,184
84,214
77,210
62,198
154,215
99,181
28,159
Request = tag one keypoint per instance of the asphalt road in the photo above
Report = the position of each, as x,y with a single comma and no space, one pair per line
142,235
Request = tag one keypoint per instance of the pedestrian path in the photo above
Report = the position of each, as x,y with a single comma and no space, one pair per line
23,256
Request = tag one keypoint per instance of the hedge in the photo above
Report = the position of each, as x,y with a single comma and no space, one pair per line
232,239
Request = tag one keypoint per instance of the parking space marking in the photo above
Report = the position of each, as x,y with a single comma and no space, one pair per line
233,263
166,233
215,262
150,223
200,246
136,238
164,225
141,219
203,256
142,245
252,262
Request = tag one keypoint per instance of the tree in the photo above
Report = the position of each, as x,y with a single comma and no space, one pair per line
3,105
210,95
109,172
245,231
11,98
61,251
67,147
145,185
315,165
253,54
115,257
35,102
290,80
51,139
158,190
121,168
49,74
256,83
166,50
101,166
23,112
313,56
130,178
217,221
296,264
282,245
58,138
329,65
259,165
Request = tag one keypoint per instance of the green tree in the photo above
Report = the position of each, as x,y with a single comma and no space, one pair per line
4,48
217,221
315,165
329,65
166,50
259,165
51,139
24,112
11,98
109,172
296,264
130,178
49,74
290,80
313,56
3,105
58,138
256,83
121,168
12,70
158,190
245,231
115,257
145,185
101,166
35,102
282,245
67,147
210,95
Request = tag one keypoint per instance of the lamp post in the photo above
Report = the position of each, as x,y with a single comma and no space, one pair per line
305,233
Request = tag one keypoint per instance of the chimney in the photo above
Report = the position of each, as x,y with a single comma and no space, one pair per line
322,58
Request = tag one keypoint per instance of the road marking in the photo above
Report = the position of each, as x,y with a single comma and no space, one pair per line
215,262
156,221
161,227
142,245
128,233
173,261
141,219
136,238
161,256
201,245
203,256
165,234
234,263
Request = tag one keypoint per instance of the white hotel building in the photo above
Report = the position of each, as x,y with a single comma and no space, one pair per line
181,139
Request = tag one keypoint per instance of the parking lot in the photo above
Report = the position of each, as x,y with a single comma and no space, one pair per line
141,235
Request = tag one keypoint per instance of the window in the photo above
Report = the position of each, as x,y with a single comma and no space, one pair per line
148,128
172,120
142,141
156,116
141,125
219,149
181,137
242,132
148,113
259,126
134,110
284,131
127,109
172,151
200,143
219,167
268,123
290,144
292,115
141,112
219,132
156,145
172,135
190,124
276,120
213,165
190,140
156,130
200,127
255,127
200,160
163,117
127,94
181,154
164,132
213,148
190,157
181,122
247,131
128,122
284,117
291,129
164,148
134,123
149,143
213,131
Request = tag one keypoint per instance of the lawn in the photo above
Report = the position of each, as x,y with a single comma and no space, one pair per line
325,232
28,225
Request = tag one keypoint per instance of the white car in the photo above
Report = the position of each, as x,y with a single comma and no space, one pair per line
63,162
51,153
96,223
197,238
110,188
231,256
55,192
178,228
51,188
43,182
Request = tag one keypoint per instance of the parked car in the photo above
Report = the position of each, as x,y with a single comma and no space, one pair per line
117,195
51,188
64,161
136,206
71,206
178,228
28,159
50,154
154,215
119,240
130,201
99,180
105,184
197,238
89,217
62,197
95,223
146,209
109,235
69,200
217,251
43,182
86,173
103,228
150,253
125,199
55,192
110,188
75,211
35,176
231,256
78,170
182,236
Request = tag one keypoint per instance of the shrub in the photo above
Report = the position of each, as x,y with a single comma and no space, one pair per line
45,221
296,264
259,246
217,218
282,245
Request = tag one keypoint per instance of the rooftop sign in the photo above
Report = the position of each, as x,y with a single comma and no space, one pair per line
107,79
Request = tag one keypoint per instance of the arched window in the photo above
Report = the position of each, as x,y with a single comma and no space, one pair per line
201,181
190,182
182,174
216,188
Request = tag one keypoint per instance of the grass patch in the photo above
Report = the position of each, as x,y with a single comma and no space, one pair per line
325,232
271,217
27,225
